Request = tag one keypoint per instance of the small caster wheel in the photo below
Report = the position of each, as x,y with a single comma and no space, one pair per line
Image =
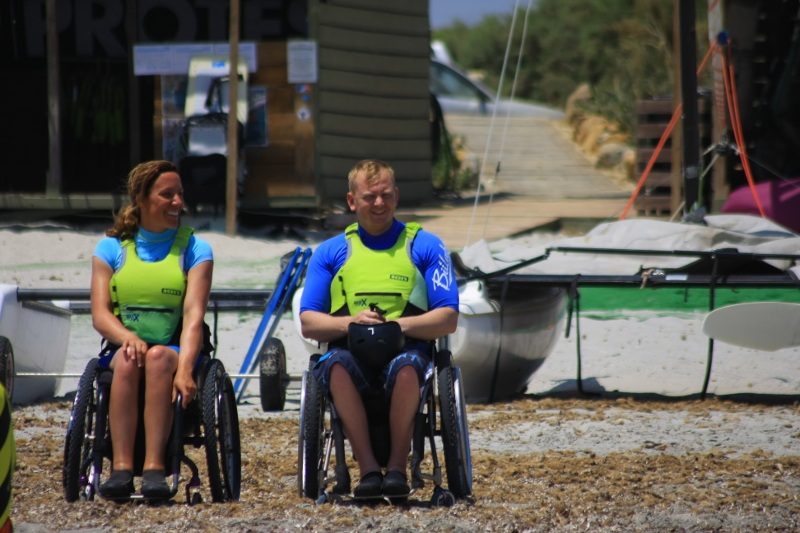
442,498
196,498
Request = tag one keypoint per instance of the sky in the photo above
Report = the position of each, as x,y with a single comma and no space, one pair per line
445,12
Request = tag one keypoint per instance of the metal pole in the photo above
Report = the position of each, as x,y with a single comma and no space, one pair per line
53,185
233,121
691,125
134,95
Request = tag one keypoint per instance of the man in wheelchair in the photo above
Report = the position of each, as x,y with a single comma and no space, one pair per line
150,287
379,272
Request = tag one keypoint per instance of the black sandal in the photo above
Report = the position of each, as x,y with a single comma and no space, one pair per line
118,486
369,486
154,485
395,484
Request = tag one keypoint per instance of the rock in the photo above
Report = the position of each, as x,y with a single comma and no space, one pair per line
610,155
589,132
573,108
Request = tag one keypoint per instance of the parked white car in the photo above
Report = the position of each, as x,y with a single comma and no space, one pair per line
459,94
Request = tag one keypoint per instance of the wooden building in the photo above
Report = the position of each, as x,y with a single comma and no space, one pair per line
81,119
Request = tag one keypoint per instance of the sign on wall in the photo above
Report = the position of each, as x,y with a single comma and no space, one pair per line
165,59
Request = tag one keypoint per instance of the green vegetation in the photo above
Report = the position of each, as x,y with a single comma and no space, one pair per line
449,173
624,49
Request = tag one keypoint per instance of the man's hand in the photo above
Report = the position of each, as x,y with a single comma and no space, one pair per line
369,317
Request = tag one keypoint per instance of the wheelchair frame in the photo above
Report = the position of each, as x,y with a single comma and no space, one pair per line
321,434
88,442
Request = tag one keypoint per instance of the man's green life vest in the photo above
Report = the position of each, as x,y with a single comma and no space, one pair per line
379,279
148,296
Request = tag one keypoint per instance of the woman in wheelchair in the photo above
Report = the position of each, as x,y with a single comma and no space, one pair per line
151,280
379,271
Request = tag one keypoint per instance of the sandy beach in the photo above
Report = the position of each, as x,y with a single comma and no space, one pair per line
639,452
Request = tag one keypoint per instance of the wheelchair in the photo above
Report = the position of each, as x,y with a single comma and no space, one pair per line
210,421
321,435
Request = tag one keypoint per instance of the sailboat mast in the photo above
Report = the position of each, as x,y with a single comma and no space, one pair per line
691,125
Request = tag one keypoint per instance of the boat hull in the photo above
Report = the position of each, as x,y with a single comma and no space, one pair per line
39,336
498,346
500,342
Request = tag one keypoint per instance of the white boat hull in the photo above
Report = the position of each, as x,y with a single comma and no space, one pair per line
39,335
498,352
499,347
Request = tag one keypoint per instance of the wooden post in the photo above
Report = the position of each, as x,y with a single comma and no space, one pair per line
53,186
134,96
691,127
233,121
676,191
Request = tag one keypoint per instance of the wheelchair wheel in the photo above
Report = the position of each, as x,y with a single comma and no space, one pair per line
221,433
273,379
7,366
80,437
8,459
455,436
311,437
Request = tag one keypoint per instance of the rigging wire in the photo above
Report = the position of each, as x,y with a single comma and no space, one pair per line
491,124
508,117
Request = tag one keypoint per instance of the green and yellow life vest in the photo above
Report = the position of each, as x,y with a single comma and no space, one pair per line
148,296
384,279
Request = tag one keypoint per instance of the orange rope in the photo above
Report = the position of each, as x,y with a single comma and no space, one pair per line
736,124
667,132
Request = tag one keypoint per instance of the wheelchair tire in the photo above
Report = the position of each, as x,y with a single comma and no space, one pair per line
78,445
455,436
7,366
8,459
221,433
310,447
273,379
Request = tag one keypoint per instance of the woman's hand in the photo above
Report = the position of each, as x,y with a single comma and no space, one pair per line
134,348
185,385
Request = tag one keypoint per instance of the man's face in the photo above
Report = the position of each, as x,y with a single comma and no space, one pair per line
374,204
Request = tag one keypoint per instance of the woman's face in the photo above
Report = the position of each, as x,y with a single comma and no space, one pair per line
161,209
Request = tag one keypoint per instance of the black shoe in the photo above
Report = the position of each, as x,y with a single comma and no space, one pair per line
369,486
154,485
395,484
118,486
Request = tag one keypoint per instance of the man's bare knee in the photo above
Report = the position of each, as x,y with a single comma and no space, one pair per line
407,377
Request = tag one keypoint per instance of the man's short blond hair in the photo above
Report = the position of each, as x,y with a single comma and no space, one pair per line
372,168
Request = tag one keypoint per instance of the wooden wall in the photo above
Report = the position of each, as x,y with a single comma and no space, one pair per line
282,173
371,101
372,97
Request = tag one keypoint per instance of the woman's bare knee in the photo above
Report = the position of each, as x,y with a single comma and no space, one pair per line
160,359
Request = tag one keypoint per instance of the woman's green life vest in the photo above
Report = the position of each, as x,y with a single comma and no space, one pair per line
384,280
148,296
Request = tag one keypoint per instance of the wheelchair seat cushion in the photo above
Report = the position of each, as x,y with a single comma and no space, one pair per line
375,345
